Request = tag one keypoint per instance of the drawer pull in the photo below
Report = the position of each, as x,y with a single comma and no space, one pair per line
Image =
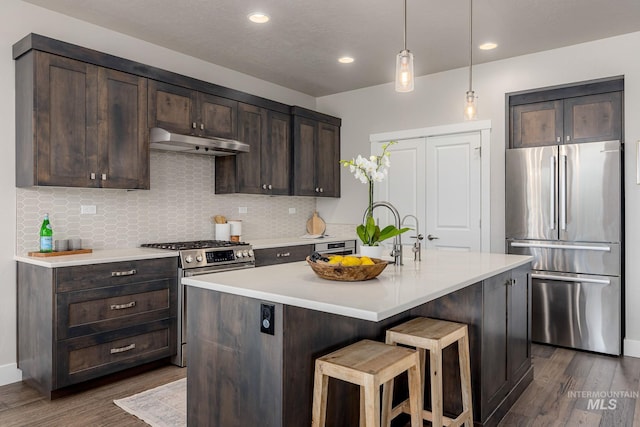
123,349
123,306
283,254
123,273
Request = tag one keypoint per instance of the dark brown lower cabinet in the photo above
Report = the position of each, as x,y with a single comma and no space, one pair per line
239,376
83,322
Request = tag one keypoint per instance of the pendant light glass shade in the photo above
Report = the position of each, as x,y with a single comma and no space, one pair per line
404,71
470,107
404,63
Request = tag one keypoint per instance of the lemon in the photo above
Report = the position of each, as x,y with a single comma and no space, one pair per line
366,260
349,261
335,259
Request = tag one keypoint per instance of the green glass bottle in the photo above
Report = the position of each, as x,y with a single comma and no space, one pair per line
46,235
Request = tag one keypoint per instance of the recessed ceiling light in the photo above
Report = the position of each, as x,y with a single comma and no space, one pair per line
258,17
345,60
488,46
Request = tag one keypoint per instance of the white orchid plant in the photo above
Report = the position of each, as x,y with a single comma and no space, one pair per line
368,171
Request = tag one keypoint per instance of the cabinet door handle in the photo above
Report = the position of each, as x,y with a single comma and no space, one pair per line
283,254
123,306
317,189
558,139
123,349
123,273
104,176
568,138
264,186
321,190
270,187
92,175
194,125
201,126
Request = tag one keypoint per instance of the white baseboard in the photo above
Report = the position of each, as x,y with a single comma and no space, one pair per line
10,374
632,348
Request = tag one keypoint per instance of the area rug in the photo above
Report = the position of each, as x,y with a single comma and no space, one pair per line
164,406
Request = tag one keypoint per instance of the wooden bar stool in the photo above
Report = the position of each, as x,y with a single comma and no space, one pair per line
368,364
432,335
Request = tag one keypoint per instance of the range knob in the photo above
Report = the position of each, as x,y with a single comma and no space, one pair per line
251,253
245,254
188,259
199,258
239,254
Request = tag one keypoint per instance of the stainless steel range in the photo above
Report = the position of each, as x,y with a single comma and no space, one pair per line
202,257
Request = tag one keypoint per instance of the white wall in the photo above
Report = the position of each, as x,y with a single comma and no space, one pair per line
438,99
18,19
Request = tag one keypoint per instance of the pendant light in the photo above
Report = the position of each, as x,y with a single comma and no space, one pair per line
470,107
404,63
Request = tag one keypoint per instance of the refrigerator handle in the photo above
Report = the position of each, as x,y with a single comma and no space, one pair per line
552,193
570,279
562,192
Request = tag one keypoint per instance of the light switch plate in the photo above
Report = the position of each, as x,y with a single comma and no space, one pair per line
88,209
242,210
292,211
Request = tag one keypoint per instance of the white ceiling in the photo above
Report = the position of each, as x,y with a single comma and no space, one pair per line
299,47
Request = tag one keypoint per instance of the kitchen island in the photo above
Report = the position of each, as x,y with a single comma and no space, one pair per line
239,375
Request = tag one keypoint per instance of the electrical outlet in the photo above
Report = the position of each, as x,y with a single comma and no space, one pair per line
242,210
267,318
88,209
292,211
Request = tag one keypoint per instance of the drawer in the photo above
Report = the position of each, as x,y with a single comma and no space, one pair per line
103,309
114,273
84,358
271,256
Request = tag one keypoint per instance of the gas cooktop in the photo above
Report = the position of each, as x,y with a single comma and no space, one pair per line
196,244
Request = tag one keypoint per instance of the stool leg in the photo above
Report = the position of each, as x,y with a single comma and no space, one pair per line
415,394
387,402
465,378
371,403
320,382
362,420
435,357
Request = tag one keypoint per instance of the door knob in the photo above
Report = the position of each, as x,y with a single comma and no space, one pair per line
432,237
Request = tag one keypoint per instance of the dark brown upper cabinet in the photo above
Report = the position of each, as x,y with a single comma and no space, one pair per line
266,168
575,114
190,112
79,125
316,148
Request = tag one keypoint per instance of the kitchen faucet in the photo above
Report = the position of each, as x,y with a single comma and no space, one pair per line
417,246
396,253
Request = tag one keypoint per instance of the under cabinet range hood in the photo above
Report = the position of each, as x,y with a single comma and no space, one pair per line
164,140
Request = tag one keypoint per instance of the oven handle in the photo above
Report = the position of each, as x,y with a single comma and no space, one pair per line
570,279
204,270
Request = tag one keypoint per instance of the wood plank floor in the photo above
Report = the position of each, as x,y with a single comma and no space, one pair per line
21,405
563,387
549,401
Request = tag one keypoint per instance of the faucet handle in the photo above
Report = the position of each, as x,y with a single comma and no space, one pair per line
418,237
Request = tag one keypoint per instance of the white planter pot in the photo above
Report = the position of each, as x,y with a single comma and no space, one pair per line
371,251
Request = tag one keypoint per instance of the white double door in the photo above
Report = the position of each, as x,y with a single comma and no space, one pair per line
437,179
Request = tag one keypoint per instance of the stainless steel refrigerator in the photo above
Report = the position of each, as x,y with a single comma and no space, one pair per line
564,207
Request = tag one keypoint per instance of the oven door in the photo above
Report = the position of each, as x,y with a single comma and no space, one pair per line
181,357
576,310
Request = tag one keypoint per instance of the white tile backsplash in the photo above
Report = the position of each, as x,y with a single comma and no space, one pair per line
179,206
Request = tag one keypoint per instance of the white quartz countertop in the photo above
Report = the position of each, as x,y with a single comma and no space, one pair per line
396,290
293,241
97,257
